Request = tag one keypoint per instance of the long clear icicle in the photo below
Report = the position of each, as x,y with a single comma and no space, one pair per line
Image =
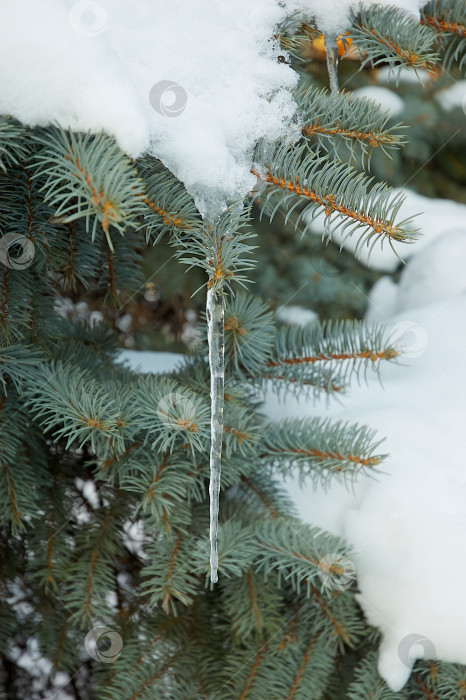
331,50
215,334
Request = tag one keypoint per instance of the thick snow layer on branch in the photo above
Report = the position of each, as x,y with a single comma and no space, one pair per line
407,526
195,83
331,16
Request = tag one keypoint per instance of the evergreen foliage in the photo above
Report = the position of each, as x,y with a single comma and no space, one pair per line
358,121
104,471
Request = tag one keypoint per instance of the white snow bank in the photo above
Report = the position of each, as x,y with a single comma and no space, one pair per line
436,217
403,74
407,527
388,100
437,273
295,315
453,96
152,362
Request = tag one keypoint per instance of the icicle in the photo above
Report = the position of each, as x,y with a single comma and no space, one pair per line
215,334
332,61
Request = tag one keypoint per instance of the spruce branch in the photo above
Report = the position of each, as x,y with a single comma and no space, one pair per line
13,145
316,674
221,248
241,430
445,16
448,20
294,33
310,380
17,498
72,404
324,356
88,176
170,414
320,448
161,485
449,679
327,115
344,346
18,362
295,175
90,575
367,682
169,578
295,551
262,492
255,607
249,333
169,207
391,35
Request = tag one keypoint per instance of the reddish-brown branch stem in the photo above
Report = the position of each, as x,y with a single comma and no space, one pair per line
253,672
330,204
442,25
302,668
312,359
261,496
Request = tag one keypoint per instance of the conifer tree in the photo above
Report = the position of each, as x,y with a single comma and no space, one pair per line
92,452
